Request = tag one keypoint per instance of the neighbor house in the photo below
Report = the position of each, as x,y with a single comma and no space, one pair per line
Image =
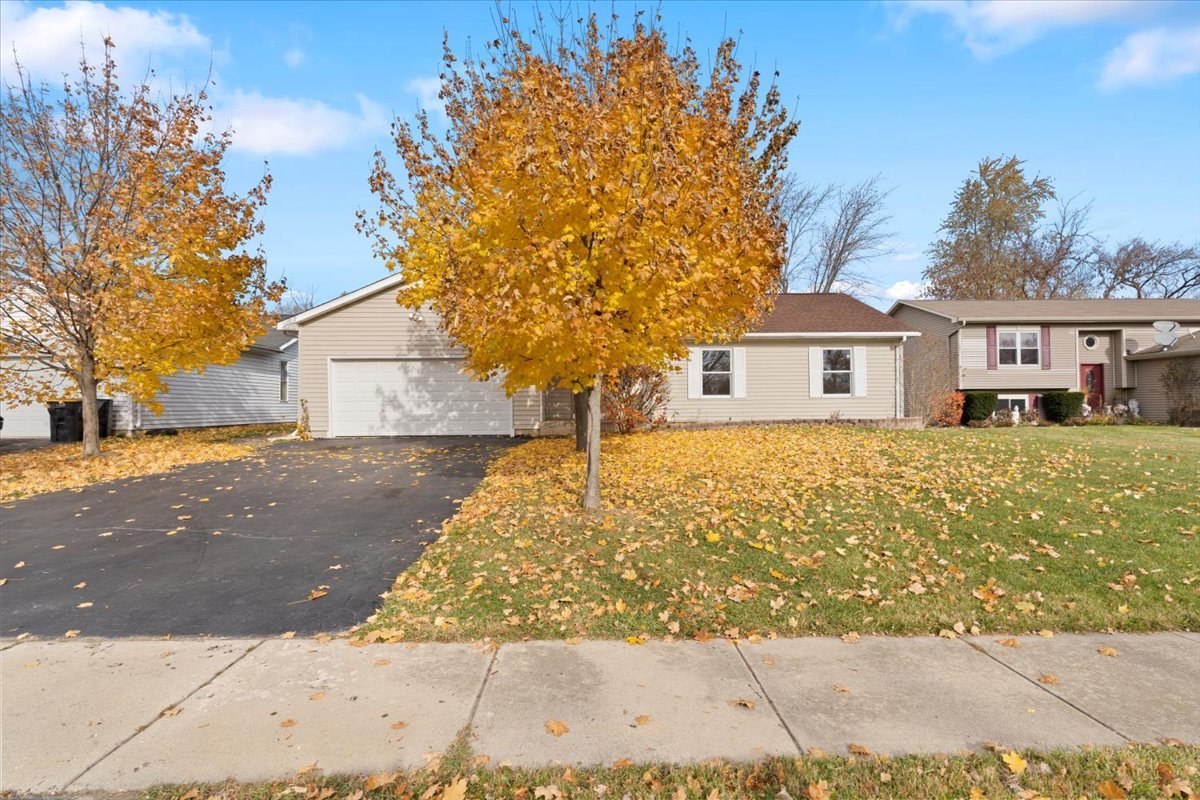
1023,348
258,388
371,368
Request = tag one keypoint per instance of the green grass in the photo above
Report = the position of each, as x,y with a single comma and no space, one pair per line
820,530
1139,772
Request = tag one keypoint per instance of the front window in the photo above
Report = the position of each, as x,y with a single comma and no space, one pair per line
716,373
1020,403
1019,348
835,370
283,382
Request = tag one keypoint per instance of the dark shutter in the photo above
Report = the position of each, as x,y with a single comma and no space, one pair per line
1045,347
991,346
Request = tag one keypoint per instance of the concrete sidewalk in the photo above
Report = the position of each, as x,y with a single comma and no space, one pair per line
126,714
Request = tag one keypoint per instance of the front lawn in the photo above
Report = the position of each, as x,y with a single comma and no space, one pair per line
819,530
62,466
1139,771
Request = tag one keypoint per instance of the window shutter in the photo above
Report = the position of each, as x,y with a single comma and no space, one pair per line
739,372
815,387
991,347
859,379
694,375
1045,347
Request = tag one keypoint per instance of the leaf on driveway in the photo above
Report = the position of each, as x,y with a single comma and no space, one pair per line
1048,677
317,696
288,723
1111,652
742,703
556,727
85,605
641,719
173,711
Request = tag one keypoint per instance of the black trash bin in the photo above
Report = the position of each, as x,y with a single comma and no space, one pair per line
66,420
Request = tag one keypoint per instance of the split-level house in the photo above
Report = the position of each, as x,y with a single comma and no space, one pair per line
1022,348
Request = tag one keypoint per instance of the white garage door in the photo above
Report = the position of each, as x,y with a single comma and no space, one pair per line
414,397
32,420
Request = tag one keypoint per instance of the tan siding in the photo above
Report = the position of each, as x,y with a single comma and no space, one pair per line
1150,394
974,374
377,326
777,386
925,357
557,404
527,411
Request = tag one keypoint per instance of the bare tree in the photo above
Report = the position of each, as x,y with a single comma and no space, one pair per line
799,205
1058,259
295,301
857,231
1149,269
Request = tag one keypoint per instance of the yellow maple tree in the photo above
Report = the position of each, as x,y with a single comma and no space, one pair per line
593,203
125,258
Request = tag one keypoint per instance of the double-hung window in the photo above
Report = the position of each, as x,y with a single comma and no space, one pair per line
1019,348
716,372
283,381
836,371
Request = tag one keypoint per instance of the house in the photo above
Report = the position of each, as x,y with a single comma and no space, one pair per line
371,368
1151,366
258,388
1022,348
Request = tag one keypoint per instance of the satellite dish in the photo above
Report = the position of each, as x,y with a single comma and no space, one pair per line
1165,338
1165,327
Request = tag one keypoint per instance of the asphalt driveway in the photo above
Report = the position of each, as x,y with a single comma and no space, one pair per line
234,548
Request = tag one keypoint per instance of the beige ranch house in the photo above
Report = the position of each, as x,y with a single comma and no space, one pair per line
1022,348
368,367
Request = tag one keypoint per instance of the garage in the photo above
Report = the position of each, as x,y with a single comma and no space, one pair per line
414,397
25,421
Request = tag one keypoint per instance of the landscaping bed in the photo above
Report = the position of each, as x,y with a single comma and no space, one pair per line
794,530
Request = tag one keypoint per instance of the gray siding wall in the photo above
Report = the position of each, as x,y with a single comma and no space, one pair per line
245,392
777,385
377,326
1150,393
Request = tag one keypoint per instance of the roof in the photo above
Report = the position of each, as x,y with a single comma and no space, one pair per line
1185,346
1089,310
275,341
294,322
810,314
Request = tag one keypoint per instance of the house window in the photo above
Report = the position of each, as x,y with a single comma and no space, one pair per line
1011,402
836,370
1019,348
1090,342
716,373
283,381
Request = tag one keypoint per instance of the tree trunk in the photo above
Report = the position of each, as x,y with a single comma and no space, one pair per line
91,417
591,489
579,412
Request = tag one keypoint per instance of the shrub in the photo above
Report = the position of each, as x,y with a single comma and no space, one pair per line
1003,419
635,398
1181,381
946,410
1061,406
980,423
978,405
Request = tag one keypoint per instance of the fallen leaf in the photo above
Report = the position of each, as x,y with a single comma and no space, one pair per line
641,719
287,635
288,723
837,687
550,792
71,634
399,726
457,790
858,749
1013,643
622,763
1048,677
80,585
1015,763
817,791
84,605
173,711
317,696
379,780
1108,651
556,727
1111,790
850,638
742,702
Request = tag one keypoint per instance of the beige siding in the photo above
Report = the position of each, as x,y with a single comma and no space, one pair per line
777,386
527,411
1139,337
377,326
1150,394
557,404
928,358
974,374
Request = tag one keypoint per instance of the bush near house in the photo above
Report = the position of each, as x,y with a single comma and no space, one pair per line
1061,406
978,406
946,410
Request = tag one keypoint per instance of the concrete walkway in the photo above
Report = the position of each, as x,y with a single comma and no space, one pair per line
126,714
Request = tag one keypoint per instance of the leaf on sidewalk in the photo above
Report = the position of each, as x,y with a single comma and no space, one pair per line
1111,652
556,727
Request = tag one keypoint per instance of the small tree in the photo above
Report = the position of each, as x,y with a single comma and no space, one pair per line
635,398
123,255
1181,382
593,204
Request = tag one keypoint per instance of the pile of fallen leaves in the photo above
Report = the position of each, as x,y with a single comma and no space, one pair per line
758,531
62,466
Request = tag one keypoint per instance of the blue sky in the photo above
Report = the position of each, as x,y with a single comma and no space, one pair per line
1101,95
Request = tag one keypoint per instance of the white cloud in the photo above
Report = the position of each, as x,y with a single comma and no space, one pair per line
1152,56
294,57
296,126
426,90
905,290
48,39
993,27
905,257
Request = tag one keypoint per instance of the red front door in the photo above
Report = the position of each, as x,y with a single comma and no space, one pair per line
1091,380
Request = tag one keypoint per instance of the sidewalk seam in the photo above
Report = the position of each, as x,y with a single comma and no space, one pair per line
1043,687
770,701
487,674
147,726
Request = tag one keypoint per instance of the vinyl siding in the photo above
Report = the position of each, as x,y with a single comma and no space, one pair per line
923,354
1150,394
557,404
974,374
245,392
777,386
377,326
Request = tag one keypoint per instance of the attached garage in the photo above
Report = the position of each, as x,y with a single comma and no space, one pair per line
413,397
369,367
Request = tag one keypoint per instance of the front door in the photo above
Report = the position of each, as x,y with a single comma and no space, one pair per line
1091,380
